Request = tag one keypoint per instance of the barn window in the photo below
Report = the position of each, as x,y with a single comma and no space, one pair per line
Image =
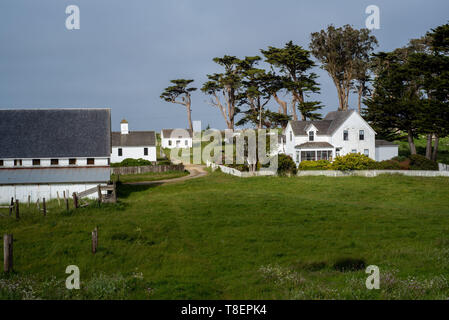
54,162
36,162
120,152
345,135
18,162
72,161
1,163
362,135
90,161
145,151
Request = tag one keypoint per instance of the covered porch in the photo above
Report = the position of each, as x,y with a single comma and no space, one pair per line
313,151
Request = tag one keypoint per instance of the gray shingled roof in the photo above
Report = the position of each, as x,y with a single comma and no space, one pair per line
314,145
134,139
179,133
58,133
55,175
385,143
327,126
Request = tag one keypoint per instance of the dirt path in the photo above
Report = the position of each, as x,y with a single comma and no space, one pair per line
196,171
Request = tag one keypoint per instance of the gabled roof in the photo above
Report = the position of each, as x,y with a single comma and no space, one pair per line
325,127
177,133
55,133
134,139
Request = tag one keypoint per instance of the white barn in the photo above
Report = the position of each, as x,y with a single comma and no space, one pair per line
48,151
133,144
176,138
339,133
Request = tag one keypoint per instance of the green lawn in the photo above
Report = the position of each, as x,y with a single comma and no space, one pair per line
150,176
223,237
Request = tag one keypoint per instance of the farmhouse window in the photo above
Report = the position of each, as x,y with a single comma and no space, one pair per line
311,135
308,155
36,162
345,135
324,155
354,151
54,162
362,135
366,152
120,152
18,162
145,151
291,136
169,142
1,163
90,161
72,161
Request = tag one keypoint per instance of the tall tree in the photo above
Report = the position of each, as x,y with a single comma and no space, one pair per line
294,64
342,51
180,93
225,87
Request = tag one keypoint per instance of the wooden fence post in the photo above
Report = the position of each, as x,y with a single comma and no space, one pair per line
66,204
7,252
59,202
94,240
17,210
11,205
99,194
38,205
75,200
29,201
44,207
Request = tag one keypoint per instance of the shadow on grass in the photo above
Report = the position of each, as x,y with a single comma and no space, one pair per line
125,190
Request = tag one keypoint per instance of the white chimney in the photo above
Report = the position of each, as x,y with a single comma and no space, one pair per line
124,126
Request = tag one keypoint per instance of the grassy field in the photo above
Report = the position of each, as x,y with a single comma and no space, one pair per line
150,176
222,237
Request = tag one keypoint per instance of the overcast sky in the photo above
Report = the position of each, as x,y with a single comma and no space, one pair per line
127,51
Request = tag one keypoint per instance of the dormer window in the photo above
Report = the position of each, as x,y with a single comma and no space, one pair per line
311,135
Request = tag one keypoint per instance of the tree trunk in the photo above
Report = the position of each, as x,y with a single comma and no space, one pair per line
360,99
293,106
429,146
435,147
282,104
189,116
411,143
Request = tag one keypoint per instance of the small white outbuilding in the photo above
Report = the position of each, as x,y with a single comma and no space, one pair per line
385,150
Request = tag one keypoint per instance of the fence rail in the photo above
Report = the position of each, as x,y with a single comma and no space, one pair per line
145,169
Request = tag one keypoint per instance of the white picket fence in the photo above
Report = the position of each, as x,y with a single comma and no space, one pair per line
238,173
443,167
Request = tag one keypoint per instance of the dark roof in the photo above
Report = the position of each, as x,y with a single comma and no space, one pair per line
59,133
55,175
134,139
177,133
385,143
327,126
314,145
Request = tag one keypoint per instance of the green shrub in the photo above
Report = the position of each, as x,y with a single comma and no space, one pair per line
399,158
419,162
314,165
286,165
349,264
128,162
353,161
386,165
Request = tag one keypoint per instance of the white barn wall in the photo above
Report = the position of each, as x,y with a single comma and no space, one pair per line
134,153
386,152
39,191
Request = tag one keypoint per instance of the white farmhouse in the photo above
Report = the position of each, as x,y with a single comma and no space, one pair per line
49,152
176,138
339,133
133,144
